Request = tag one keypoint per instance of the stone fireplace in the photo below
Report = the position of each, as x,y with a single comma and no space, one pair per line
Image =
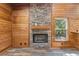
40,38
40,25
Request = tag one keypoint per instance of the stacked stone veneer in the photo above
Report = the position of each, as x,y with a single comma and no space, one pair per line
40,15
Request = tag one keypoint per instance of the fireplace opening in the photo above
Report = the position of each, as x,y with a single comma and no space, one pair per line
40,38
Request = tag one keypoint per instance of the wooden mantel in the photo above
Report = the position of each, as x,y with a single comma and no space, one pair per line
43,27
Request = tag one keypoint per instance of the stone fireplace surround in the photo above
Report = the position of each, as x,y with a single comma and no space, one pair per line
40,15
44,44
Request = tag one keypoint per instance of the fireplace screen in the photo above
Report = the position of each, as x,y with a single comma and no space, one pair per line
40,38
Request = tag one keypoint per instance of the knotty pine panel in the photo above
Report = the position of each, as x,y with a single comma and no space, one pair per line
61,44
20,28
62,10
22,12
5,26
20,35
74,25
74,30
4,15
75,39
5,12
20,19
5,6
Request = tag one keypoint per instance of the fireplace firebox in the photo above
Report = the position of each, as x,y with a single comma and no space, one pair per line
40,38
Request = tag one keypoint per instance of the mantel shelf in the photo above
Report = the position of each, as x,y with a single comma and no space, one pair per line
40,27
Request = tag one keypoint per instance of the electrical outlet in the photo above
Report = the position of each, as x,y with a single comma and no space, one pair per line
20,43
25,43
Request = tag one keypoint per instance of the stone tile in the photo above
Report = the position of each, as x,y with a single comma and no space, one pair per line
40,52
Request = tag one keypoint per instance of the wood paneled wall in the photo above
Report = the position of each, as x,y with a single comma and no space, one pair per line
20,27
5,26
63,10
74,32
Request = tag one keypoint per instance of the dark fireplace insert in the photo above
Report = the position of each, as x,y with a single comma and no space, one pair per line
40,38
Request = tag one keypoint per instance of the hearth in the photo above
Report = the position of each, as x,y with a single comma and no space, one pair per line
40,38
